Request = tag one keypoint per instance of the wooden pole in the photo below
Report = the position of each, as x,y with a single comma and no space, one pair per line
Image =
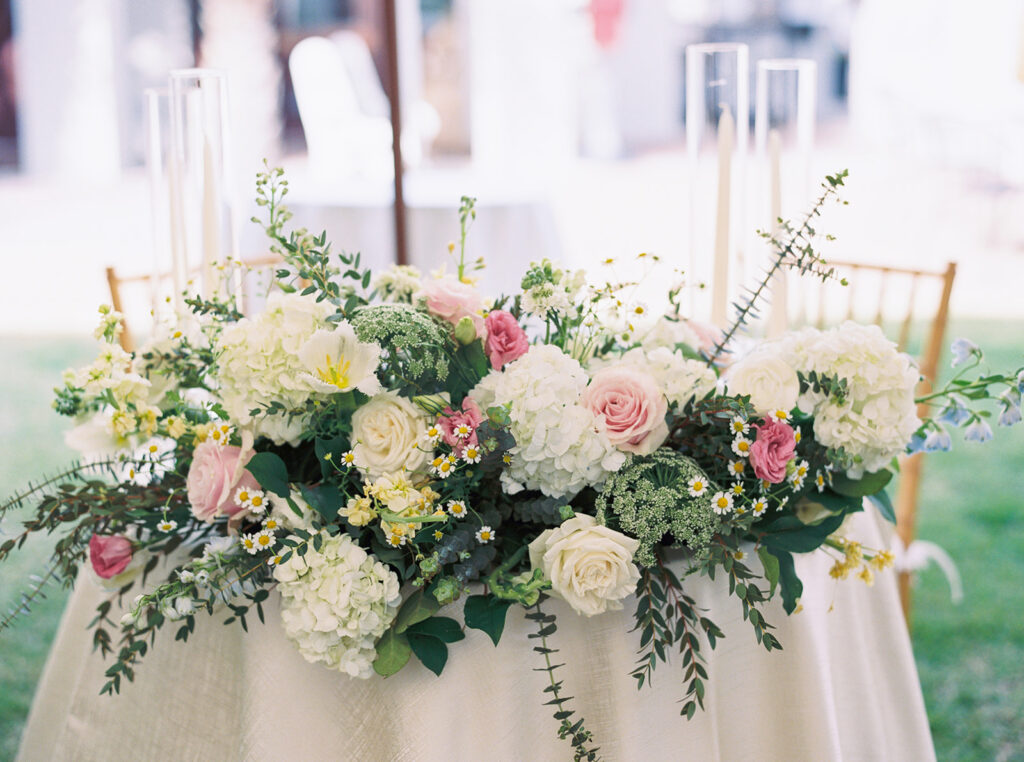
391,37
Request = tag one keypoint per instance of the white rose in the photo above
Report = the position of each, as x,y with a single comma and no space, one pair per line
771,383
388,430
590,566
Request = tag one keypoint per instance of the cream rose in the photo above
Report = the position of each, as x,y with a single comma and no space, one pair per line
590,566
769,380
388,431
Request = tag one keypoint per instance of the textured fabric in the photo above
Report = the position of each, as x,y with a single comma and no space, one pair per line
844,688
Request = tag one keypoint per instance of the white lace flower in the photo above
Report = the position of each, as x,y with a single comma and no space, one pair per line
336,603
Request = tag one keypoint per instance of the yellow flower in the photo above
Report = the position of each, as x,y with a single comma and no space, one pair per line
867,575
176,427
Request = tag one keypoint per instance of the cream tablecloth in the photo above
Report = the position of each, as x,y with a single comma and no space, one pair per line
844,688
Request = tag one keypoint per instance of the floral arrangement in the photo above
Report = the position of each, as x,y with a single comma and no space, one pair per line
376,447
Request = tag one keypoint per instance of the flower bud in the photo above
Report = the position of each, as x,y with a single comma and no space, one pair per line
465,331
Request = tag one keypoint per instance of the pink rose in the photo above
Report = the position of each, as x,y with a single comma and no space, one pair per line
451,300
470,416
772,450
216,473
630,406
506,340
109,554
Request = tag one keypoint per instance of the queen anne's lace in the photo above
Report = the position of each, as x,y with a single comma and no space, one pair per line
878,417
558,449
336,603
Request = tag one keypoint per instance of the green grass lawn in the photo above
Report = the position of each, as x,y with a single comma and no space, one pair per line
971,656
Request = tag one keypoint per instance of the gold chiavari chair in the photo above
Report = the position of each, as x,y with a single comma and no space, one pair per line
888,295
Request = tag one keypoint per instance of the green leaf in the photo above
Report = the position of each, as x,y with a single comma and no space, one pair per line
835,503
771,568
325,499
868,484
429,650
487,613
791,534
417,608
440,627
789,584
884,505
271,473
335,446
393,652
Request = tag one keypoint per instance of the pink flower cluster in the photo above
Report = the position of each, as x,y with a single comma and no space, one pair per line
772,450
451,421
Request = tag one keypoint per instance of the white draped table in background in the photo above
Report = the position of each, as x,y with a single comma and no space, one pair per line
844,688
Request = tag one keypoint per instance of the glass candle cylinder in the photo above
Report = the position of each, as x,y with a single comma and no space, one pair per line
157,120
784,139
717,129
204,227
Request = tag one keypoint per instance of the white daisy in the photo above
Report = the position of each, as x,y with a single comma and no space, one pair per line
484,535
697,486
736,489
264,539
760,506
797,481
348,458
457,508
248,541
438,534
396,540
741,446
433,434
463,430
721,503
802,468
781,415
739,426
737,467
221,434
271,524
471,454
797,435
819,481
243,497
167,525
257,501
444,467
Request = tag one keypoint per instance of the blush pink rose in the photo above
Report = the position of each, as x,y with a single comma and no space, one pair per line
450,420
216,473
506,340
631,408
451,300
109,554
772,450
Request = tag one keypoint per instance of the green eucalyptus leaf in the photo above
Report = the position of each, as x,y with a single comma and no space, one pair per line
393,652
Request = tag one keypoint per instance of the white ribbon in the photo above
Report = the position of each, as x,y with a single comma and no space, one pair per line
916,557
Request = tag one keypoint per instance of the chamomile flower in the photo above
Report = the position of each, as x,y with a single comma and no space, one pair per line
782,416
221,434
457,508
438,534
741,446
463,430
697,486
167,525
275,559
739,426
819,481
484,535
243,497
782,503
721,503
638,309
444,468
506,459
736,488
797,435
802,468
348,459
264,539
433,434
797,481
765,485
471,454
257,501
737,467
759,507
396,540
271,524
248,542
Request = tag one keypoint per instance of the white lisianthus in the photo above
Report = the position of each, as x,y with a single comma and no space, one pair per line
336,361
590,566
769,380
559,448
388,432
336,603
258,363
878,416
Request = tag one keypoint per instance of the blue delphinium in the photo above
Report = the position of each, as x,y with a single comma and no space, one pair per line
938,440
1011,408
962,349
979,431
955,412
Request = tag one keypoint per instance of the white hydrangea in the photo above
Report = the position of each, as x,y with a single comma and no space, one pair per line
666,332
878,417
399,283
558,449
336,603
258,363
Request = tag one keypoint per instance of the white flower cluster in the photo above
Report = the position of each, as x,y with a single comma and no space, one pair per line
336,603
558,448
258,363
547,288
878,417
399,283
666,332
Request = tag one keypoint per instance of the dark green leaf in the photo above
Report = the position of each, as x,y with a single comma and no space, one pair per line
868,484
270,471
417,608
487,613
325,499
789,583
791,534
440,627
429,650
884,505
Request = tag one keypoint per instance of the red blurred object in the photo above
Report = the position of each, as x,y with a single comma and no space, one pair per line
607,15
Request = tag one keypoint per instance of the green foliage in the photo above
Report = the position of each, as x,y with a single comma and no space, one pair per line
487,613
393,652
428,639
270,472
790,585
416,608
868,484
787,532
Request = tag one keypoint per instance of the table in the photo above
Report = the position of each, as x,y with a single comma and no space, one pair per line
844,688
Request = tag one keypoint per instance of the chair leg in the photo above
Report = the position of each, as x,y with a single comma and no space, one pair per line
906,518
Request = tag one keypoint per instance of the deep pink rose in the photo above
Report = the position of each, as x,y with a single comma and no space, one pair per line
772,450
506,340
630,406
450,420
109,554
451,300
216,473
